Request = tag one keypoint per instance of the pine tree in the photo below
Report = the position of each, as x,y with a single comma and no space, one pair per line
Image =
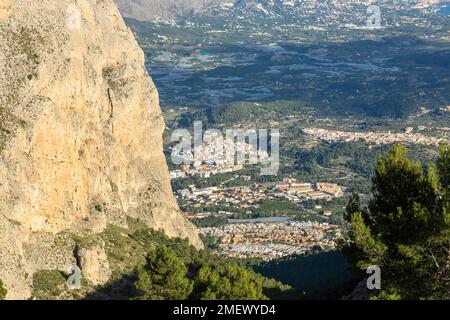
406,230
163,277
231,282
353,206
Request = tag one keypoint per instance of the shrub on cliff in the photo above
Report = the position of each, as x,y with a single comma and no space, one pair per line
2,291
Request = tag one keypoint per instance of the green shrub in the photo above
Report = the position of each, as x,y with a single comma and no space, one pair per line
3,291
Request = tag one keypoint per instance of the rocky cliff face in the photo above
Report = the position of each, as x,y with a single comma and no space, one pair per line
80,138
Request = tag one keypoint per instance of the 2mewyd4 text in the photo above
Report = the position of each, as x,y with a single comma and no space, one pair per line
224,309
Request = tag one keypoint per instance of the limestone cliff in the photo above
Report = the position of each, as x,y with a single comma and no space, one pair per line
80,137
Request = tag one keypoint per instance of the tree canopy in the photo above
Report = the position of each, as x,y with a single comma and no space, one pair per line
232,282
163,277
405,229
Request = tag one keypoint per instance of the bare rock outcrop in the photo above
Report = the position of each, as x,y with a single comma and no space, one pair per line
94,265
80,136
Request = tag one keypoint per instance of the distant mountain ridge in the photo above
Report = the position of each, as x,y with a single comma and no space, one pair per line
151,10
148,10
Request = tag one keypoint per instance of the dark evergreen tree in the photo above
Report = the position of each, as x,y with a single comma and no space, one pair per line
353,206
232,282
163,277
406,231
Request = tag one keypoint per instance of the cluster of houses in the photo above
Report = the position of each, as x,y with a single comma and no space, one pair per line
298,191
204,170
408,136
214,158
250,196
273,240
